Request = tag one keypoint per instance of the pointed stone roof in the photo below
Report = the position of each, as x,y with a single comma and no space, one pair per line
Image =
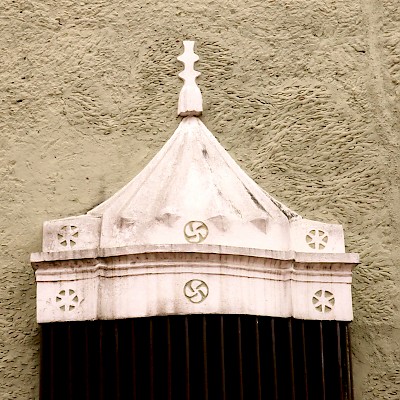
193,178
193,187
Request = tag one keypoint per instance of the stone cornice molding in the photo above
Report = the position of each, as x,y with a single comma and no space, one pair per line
142,281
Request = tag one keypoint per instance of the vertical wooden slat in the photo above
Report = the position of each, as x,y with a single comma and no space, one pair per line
52,350
87,362
240,356
42,380
47,363
151,359
70,362
303,339
321,339
258,361
101,361
222,358
339,360
291,355
205,361
169,360
274,358
349,363
117,362
133,358
187,360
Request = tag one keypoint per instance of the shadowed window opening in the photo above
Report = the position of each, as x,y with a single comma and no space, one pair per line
208,357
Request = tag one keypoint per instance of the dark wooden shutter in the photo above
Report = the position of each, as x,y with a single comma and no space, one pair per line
208,357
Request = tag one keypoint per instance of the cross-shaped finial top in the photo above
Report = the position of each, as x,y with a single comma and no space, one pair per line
190,100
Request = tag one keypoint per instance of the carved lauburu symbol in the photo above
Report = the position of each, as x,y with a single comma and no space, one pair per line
196,290
317,239
195,231
68,235
67,300
323,301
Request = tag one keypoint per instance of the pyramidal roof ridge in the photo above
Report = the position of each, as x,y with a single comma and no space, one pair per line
193,129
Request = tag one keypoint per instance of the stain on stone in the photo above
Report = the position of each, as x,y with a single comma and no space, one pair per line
255,201
289,214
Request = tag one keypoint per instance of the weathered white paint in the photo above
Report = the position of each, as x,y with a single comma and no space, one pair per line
192,233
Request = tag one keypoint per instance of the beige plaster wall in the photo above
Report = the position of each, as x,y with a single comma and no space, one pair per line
304,94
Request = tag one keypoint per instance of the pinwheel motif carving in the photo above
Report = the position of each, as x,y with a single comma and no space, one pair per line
195,231
196,290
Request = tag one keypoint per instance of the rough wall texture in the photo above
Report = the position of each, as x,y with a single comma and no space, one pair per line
303,93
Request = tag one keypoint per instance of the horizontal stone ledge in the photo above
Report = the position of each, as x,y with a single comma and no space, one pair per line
331,273
352,258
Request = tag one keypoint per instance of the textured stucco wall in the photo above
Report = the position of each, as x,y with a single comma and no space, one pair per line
304,94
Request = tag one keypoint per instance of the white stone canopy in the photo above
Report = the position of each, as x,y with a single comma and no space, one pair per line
192,233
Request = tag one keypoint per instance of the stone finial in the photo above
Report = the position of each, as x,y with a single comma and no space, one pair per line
190,100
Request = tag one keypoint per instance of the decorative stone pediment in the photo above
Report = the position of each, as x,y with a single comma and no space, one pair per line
192,233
